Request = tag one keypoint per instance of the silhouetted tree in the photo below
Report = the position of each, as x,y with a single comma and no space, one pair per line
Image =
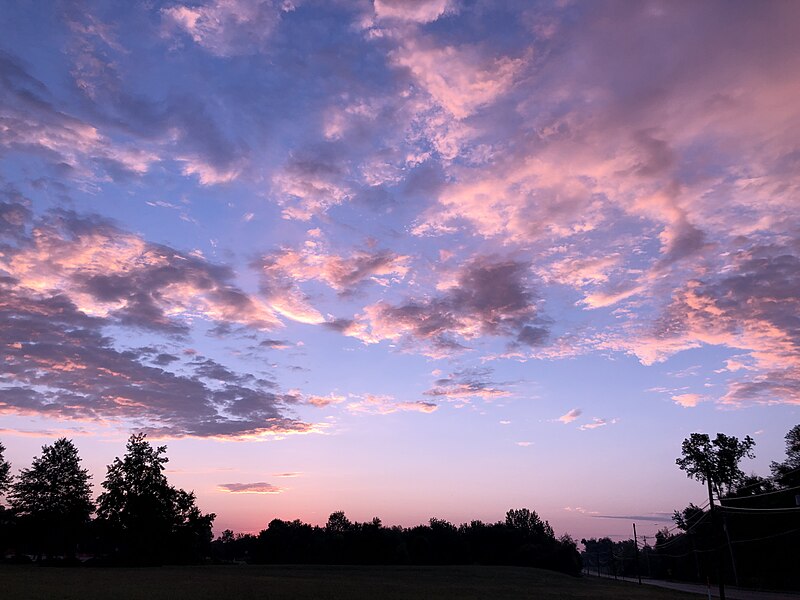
755,524
528,523
338,523
53,498
295,542
715,461
787,472
529,542
688,517
6,519
5,471
752,485
231,547
148,520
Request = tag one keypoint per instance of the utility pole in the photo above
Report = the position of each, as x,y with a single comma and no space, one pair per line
636,554
647,557
694,552
713,526
730,546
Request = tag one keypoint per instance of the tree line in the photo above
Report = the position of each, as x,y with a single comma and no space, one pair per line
522,539
747,534
140,519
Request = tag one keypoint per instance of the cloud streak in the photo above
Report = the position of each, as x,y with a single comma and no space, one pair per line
258,487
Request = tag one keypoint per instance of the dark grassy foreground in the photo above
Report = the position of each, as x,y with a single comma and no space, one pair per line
317,582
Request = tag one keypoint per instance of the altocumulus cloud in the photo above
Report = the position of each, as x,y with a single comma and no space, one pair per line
490,296
73,279
552,143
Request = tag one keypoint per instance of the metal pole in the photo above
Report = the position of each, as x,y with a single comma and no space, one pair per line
713,520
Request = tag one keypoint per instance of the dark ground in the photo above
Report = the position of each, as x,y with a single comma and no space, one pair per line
317,582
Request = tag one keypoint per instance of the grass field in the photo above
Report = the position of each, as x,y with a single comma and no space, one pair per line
317,582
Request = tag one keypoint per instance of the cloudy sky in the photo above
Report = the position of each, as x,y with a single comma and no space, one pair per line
406,259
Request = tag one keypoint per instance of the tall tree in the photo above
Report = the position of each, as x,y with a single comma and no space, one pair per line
5,471
787,473
150,520
5,482
53,497
715,461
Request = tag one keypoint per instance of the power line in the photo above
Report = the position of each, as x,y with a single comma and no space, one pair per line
702,507
766,537
690,552
737,498
677,538
688,530
770,478
760,510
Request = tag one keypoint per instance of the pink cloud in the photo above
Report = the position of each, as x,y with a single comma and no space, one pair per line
570,416
467,383
488,296
580,271
108,272
228,27
282,271
259,487
419,11
312,263
209,174
745,308
323,401
688,400
460,79
597,422
385,405
304,192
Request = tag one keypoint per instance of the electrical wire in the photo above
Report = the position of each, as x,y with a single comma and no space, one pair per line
738,498
690,552
766,537
770,478
737,509
703,506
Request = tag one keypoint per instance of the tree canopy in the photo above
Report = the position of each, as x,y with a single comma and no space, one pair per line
715,460
147,517
55,486
787,472
528,522
54,494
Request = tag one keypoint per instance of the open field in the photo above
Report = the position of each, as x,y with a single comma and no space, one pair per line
317,582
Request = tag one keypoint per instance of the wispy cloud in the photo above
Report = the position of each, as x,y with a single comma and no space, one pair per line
385,405
259,487
570,416
466,384
228,27
597,422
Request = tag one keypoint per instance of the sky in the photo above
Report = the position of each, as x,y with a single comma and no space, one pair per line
406,259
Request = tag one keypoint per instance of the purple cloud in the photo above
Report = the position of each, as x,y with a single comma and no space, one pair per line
259,487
